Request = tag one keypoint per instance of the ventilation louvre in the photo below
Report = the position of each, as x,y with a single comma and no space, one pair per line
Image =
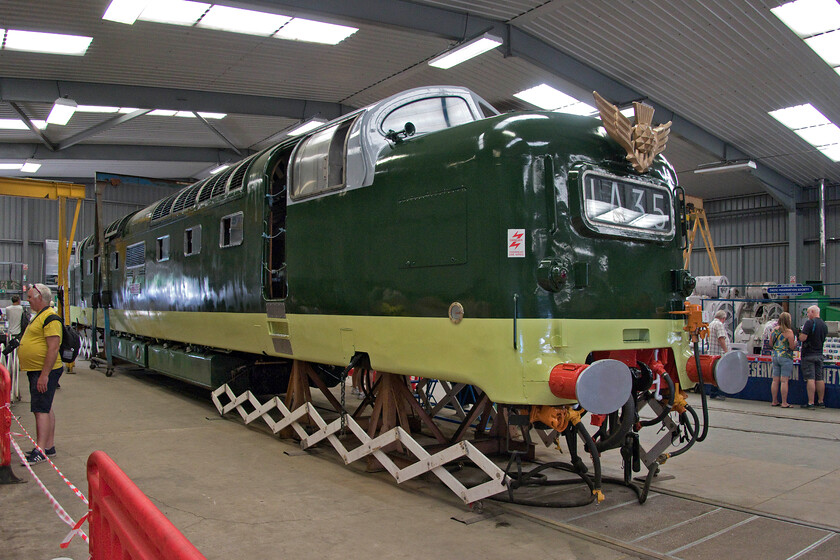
219,184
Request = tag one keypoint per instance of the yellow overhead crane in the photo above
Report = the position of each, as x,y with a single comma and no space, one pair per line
52,190
697,220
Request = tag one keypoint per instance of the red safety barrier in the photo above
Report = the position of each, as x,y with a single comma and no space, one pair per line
5,417
124,523
7,476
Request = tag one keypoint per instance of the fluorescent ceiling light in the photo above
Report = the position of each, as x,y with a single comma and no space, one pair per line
222,167
162,113
51,43
176,12
243,21
306,127
309,31
809,17
468,50
124,11
96,109
820,135
17,124
546,97
30,167
14,166
187,114
832,152
827,46
129,109
212,115
799,116
61,112
725,167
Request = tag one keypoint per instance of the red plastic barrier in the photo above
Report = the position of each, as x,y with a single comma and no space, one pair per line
5,417
124,523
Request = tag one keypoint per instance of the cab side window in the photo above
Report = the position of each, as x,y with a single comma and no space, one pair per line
429,115
318,165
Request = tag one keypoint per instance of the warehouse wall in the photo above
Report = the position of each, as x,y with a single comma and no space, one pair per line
25,222
751,235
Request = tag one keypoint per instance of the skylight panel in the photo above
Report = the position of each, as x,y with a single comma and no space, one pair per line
212,115
176,12
809,17
96,109
30,167
315,31
17,124
827,46
186,114
820,135
546,97
579,108
124,11
832,152
129,109
799,116
162,113
51,43
14,166
243,21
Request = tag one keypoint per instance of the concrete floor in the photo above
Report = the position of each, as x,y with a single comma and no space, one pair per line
238,492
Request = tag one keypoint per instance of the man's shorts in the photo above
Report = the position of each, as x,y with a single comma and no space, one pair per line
42,402
811,367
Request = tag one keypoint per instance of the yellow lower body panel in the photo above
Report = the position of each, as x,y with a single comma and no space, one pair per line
511,366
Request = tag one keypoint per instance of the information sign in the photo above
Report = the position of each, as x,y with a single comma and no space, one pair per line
789,290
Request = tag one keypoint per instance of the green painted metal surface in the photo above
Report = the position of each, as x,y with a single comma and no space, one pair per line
432,229
134,351
205,370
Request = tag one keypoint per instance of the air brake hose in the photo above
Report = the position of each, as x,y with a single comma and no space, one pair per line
596,457
666,409
628,417
684,420
703,399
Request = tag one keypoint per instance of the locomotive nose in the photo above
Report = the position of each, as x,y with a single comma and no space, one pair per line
601,388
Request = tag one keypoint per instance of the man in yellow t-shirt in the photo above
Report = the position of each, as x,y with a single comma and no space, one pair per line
38,356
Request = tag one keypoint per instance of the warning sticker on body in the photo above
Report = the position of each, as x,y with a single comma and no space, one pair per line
516,243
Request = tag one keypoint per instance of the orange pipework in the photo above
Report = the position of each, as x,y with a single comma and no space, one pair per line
694,321
556,417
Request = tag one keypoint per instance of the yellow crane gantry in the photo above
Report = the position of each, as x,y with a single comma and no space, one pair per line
52,190
697,221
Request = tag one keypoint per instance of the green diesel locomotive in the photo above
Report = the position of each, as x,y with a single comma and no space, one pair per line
521,253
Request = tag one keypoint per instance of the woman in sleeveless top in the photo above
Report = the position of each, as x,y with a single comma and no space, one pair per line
783,343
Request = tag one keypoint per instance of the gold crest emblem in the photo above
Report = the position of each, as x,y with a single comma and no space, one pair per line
642,141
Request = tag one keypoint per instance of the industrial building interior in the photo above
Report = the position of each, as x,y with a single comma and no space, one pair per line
717,71
159,94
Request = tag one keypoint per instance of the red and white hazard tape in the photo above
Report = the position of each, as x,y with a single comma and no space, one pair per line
62,514
64,478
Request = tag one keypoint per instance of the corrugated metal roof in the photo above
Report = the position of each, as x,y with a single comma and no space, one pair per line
720,64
